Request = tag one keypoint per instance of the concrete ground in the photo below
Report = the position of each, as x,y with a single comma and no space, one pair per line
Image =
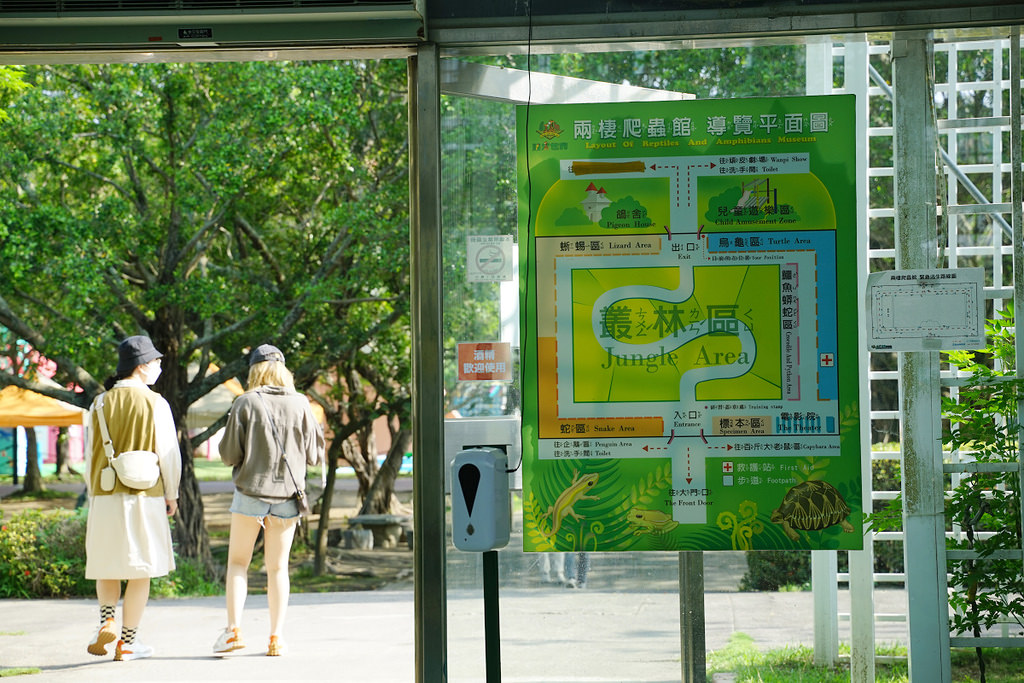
547,634
624,626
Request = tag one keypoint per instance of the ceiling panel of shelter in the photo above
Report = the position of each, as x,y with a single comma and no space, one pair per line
34,31
465,25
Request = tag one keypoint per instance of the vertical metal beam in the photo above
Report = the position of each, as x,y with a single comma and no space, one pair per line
824,563
824,583
430,601
862,584
916,247
692,643
1016,197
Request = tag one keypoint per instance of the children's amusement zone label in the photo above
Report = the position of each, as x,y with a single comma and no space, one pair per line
689,331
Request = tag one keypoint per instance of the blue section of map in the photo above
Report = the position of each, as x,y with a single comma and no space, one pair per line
822,242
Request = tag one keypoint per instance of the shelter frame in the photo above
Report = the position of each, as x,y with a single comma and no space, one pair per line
568,33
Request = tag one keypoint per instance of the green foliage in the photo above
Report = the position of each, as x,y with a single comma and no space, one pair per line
771,570
189,579
748,664
11,83
742,658
213,207
984,427
42,554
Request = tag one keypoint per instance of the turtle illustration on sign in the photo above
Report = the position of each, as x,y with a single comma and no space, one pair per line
812,506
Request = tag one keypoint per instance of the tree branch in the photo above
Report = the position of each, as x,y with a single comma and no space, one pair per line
261,247
211,338
75,398
70,369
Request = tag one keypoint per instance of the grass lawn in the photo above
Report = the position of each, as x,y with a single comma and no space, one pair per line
742,658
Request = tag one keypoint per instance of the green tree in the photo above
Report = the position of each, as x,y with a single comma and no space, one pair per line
11,83
210,206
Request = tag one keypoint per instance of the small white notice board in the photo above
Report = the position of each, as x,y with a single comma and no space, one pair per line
926,310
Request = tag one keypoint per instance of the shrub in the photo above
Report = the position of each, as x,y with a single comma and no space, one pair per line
770,570
42,554
187,580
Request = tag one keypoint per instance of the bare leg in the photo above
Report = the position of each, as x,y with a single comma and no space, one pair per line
244,530
108,591
277,545
136,595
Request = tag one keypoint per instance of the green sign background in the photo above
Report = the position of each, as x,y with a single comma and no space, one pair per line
689,331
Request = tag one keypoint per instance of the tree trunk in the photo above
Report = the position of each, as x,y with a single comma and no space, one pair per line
320,554
378,499
63,456
193,541
33,477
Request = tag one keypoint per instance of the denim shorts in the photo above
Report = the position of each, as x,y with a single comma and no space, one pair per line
254,507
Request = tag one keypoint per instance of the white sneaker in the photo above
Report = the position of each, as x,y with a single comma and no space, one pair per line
276,648
105,635
229,641
128,651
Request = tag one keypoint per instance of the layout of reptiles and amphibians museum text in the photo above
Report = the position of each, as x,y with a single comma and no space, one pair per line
689,329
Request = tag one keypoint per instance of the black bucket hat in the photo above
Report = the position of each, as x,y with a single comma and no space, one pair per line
135,351
265,352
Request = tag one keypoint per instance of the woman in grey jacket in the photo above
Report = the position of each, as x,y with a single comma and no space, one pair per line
270,438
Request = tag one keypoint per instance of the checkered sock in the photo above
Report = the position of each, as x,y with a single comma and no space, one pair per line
106,612
128,635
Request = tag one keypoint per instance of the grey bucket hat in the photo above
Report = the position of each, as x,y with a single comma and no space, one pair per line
135,351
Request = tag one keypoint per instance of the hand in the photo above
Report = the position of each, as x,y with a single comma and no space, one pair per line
172,506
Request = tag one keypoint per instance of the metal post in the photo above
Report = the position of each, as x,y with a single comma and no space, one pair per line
692,647
492,622
14,456
824,566
824,563
917,247
430,604
862,584
1016,197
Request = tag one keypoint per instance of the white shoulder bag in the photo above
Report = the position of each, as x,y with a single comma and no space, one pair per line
135,469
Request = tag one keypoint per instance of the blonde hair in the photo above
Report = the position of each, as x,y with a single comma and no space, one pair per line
270,373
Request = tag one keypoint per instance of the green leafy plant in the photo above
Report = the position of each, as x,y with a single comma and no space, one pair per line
981,424
984,427
42,554
772,570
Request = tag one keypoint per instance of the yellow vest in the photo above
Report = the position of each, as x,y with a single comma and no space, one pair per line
129,412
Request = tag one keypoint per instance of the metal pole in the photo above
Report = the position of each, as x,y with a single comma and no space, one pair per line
14,456
1016,197
692,647
824,563
492,624
430,604
916,248
862,584
825,586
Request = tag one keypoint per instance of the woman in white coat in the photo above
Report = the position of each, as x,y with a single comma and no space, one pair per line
128,536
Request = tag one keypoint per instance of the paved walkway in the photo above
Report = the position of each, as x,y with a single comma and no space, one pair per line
547,634
623,627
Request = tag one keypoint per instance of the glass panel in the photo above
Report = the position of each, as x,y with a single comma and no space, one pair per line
548,630
564,616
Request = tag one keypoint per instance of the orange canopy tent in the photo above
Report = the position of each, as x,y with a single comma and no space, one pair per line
23,408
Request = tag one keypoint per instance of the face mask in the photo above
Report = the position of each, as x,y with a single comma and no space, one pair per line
150,373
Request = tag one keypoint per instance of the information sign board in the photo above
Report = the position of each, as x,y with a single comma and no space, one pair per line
689,329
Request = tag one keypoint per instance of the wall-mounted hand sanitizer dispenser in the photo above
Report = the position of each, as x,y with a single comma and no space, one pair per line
481,504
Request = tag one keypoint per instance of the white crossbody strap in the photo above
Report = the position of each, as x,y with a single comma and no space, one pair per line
108,447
